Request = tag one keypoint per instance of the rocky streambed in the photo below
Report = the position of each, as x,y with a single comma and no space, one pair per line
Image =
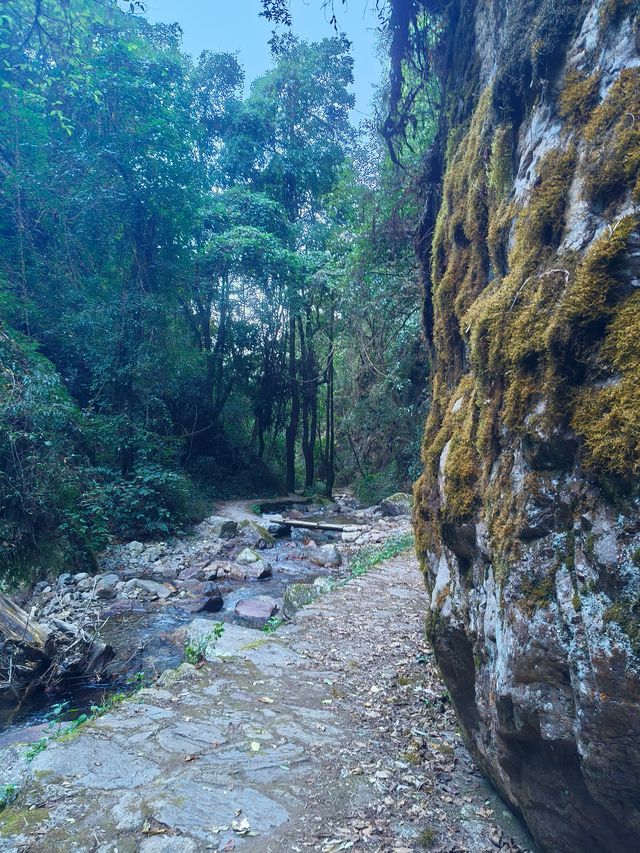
234,567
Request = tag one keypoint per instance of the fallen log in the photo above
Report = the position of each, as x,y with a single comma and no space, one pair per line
319,525
36,656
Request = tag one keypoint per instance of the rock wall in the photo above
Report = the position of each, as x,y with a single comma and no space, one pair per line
527,516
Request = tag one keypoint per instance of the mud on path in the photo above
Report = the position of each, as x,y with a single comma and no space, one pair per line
333,734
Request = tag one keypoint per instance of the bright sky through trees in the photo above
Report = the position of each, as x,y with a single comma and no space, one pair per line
237,26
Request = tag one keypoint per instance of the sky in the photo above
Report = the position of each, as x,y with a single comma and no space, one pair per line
236,25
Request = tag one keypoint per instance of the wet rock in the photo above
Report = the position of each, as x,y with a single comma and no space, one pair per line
325,555
298,595
255,564
122,606
65,579
256,611
260,570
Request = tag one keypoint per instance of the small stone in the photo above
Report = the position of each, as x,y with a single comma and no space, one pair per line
106,586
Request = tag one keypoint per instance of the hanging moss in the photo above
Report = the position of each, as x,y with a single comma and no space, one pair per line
532,340
608,417
578,97
612,162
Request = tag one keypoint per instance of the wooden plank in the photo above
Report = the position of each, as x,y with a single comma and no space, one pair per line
315,525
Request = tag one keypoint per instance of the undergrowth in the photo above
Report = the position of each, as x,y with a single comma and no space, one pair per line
368,558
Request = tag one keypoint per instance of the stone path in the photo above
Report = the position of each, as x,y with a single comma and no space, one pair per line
333,734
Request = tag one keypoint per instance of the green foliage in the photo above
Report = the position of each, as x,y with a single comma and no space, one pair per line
61,727
8,793
369,558
152,503
272,624
184,272
196,652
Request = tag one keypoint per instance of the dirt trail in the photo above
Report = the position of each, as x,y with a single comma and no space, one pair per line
333,734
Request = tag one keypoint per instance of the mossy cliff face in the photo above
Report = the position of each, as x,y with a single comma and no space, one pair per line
527,513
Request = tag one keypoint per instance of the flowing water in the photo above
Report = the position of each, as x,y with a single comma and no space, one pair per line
143,640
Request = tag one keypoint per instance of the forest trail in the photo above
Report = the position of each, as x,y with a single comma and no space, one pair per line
333,734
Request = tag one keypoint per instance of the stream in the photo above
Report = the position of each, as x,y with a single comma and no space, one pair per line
142,637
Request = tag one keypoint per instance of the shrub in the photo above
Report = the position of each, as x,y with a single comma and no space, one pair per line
153,502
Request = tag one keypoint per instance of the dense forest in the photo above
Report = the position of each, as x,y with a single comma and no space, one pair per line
205,289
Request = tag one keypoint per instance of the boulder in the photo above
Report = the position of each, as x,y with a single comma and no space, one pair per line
208,598
527,523
254,563
155,552
298,595
395,505
218,525
257,611
106,586
135,549
258,571
255,535
325,555
149,588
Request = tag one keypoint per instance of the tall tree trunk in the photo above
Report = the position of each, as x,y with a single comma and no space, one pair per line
330,425
294,416
309,402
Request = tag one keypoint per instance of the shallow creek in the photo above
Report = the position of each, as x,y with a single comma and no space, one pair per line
142,638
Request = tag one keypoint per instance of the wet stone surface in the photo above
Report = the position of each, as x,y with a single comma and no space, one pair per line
332,734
